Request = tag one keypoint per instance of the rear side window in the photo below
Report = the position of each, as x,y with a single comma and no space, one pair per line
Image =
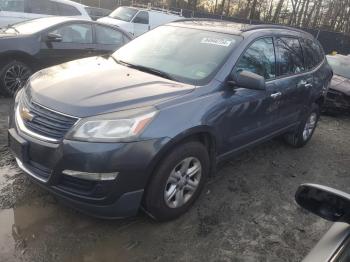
259,58
108,36
141,18
67,10
290,56
313,53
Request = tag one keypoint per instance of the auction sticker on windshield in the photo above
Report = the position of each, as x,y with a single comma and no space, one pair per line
216,41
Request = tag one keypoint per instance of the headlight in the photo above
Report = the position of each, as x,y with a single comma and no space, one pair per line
119,126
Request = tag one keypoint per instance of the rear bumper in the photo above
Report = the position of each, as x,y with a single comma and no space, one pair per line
118,198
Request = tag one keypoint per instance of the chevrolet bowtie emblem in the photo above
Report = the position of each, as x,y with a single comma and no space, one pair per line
25,114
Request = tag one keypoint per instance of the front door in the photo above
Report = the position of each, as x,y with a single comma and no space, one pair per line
76,43
251,113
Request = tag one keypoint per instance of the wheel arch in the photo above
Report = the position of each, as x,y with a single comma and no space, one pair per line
202,134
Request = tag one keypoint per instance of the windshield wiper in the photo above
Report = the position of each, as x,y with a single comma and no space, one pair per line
145,69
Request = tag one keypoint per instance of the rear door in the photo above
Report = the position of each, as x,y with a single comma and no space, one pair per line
108,39
141,23
77,42
291,87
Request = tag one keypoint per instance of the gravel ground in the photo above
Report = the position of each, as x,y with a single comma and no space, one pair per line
246,212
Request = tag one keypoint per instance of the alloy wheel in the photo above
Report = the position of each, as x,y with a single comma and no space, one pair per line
309,126
15,77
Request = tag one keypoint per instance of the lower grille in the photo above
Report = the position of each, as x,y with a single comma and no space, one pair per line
43,121
76,184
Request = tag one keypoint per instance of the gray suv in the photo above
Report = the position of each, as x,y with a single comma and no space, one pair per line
146,126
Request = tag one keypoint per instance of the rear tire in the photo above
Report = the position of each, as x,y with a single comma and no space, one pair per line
13,76
302,135
181,173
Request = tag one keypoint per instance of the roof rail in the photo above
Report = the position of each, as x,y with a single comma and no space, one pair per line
248,27
269,26
158,9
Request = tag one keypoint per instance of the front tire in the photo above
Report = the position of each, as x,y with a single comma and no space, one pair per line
177,182
306,129
13,76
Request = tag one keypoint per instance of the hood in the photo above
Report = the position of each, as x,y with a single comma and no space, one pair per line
99,85
341,84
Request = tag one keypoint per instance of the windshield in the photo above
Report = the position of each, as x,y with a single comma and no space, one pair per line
185,54
32,26
340,65
124,13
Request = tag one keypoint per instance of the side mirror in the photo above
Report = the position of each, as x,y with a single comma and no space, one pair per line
51,37
326,202
248,80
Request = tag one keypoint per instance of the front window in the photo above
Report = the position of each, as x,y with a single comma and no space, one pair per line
187,55
75,33
123,13
259,59
340,66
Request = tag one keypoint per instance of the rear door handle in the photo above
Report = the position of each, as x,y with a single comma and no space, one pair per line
276,95
90,50
306,84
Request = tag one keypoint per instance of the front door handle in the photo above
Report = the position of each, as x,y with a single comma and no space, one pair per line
308,85
276,95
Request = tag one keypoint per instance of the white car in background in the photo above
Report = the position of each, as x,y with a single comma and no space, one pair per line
15,11
137,21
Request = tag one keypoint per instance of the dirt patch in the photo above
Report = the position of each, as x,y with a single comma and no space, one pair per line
246,212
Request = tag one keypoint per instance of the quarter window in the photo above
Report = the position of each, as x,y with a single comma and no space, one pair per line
141,18
108,36
67,10
290,57
76,33
259,58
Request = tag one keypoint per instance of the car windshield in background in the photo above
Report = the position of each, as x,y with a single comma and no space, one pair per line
32,26
123,13
340,65
186,55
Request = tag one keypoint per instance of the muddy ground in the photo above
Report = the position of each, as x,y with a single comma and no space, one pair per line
246,212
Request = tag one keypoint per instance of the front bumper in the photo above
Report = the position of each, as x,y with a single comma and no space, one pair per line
44,163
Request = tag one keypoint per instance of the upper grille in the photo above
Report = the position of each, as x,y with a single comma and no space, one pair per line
46,122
